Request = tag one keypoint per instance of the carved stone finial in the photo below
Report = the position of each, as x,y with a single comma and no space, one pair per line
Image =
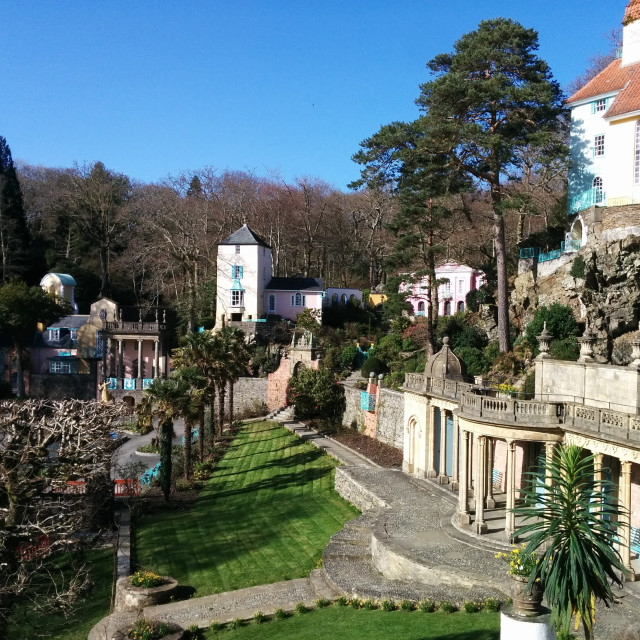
544,342
445,341
156,314
587,341
164,315
139,314
120,314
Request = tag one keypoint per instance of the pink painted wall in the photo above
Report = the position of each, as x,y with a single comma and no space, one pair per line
129,354
284,308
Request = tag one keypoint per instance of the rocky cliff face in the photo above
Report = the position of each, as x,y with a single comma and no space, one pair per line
606,298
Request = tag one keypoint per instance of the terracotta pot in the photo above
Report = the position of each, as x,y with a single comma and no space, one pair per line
526,603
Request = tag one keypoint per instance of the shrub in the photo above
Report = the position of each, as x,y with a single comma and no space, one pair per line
280,614
259,617
407,605
492,604
356,603
578,267
323,603
316,392
567,349
388,605
341,601
448,607
214,625
301,608
474,361
348,357
194,631
427,606
471,607
476,297
369,605
560,324
394,380
388,348
373,365
146,579
235,624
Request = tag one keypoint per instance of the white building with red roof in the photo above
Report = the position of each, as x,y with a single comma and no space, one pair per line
605,130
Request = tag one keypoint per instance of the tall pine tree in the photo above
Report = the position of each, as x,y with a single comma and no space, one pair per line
14,235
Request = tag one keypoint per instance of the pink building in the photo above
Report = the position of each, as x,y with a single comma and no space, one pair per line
456,280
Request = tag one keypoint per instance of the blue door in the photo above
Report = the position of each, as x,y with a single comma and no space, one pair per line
436,451
448,452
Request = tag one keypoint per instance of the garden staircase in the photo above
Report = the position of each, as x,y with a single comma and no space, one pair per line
283,414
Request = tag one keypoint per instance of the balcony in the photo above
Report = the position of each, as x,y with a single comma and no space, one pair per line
136,327
587,199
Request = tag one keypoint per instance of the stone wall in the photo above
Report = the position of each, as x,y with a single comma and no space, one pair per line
355,493
620,217
248,396
276,392
353,416
390,418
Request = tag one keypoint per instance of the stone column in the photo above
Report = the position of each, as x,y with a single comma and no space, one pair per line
480,526
455,467
625,520
597,475
470,467
140,362
491,503
463,489
442,476
120,362
549,448
105,342
510,518
156,358
431,468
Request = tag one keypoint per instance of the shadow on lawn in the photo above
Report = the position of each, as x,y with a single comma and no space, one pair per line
297,459
276,482
469,635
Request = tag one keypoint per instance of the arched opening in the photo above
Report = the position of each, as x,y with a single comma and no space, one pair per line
411,450
344,298
420,307
460,306
576,230
334,299
447,308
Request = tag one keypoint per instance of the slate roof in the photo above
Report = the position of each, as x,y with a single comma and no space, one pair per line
65,278
245,235
632,12
70,322
295,284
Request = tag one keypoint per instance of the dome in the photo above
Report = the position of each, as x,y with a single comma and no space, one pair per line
445,364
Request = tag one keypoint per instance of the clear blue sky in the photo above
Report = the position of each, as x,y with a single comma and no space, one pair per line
154,87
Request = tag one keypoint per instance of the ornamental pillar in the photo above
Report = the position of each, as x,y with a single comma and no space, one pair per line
120,359
491,503
442,476
463,489
510,518
431,469
140,360
455,467
480,526
625,520
597,477
156,358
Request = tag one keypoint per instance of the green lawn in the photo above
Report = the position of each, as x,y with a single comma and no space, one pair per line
358,624
266,515
26,625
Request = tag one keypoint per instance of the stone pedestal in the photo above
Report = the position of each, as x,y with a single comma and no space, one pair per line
130,598
513,626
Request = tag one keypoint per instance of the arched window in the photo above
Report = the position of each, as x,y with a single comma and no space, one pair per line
298,299
344,298
598,190
334,298
420,307
447,308
460,306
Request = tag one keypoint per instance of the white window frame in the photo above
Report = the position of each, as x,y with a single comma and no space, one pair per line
598,145
636,157
272,303
600,105
237,298
237,272
237,249
598,188
54,335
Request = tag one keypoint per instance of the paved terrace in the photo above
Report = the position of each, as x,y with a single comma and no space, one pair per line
404,545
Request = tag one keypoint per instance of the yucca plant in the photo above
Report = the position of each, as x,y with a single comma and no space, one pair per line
574,523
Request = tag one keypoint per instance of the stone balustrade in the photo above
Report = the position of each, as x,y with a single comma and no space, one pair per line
136,327
610,423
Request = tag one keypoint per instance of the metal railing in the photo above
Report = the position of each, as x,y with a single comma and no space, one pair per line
588,198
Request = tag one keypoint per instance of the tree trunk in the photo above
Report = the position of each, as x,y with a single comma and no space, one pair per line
230,402
221,395
201,433
499,246
104,272
187,449
19,370
164,475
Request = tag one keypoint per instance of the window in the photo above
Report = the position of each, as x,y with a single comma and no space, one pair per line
447,308
598,145
237,248
460,286
598,190
636,157
54,334
600,105
236,272
298,300
447,288
57,366
237,298
460,306
420,307
73,334
272,303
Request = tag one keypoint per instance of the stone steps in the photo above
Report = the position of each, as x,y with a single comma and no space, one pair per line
346,549
283,414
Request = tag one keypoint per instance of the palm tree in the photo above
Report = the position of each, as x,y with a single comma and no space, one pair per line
169,396
191,409
198,350
575,521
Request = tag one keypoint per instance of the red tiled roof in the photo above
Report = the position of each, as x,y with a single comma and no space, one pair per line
628,100
612,78
632,12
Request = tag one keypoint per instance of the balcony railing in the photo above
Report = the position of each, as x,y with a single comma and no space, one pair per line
136,327
587,199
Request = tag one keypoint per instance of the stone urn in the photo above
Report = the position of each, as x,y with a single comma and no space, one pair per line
526,603
130,598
